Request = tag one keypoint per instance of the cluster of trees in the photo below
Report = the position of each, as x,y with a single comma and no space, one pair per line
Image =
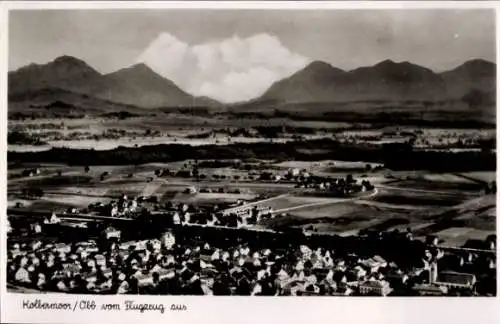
367,185
120,115
193,172
39,126
491,188
417,117
23,138
44,114
32,193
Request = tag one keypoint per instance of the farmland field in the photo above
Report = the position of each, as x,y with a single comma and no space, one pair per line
409,204
296,201
211,198
485,176
417,198
172,128
452,187
429,203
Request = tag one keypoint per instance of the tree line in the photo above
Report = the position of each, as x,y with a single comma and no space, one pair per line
393,156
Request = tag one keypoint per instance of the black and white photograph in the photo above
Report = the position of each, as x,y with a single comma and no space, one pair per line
251,152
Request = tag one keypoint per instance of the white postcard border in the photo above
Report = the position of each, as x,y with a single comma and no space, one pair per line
233,309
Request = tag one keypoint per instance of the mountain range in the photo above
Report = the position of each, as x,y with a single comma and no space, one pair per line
74,82
137,85
387,80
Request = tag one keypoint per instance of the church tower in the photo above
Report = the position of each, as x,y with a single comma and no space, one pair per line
433,272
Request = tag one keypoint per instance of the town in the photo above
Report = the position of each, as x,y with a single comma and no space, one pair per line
146,245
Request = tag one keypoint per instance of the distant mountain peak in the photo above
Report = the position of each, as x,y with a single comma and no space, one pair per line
386,80
473,67
473,74
139,69
67,59
478,62
391,63
386,62
320,66
63,72
479,65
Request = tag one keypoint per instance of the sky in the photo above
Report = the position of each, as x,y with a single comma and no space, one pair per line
234,55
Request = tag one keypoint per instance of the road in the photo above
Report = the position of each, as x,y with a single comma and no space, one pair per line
68,216
59,193
229,210
240,184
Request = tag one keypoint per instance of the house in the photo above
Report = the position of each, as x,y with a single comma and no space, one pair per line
374,264
52,220
28,173
9,227
454,279
36,228
111,232
190,190
187,218
491,263
397,276
356,273
343,290
305,174
375,287
132,205
176,218
62,248
491,241
381,261
432,240
114,211
104,175
430,290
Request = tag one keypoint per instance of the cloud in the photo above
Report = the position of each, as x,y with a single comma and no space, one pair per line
229,70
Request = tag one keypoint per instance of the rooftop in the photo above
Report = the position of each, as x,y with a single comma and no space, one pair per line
375,284
457,278
432,288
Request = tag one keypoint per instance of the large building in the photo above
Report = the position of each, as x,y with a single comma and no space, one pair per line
375,287
452,279
430,290
246,210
